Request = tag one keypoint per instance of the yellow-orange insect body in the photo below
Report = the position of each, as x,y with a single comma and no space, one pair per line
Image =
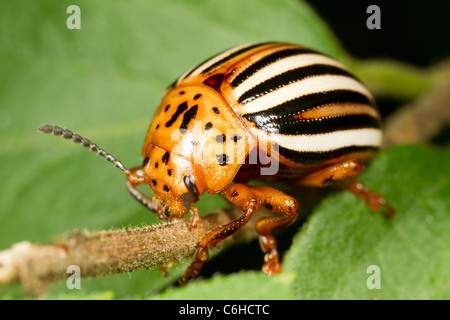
268,111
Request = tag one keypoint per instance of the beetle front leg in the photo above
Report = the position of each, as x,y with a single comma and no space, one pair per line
243,197
248,199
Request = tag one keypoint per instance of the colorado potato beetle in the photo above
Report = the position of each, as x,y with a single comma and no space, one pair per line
264,111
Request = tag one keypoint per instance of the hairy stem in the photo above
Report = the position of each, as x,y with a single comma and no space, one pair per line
101,253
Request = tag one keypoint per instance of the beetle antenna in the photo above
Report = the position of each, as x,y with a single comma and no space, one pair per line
67,134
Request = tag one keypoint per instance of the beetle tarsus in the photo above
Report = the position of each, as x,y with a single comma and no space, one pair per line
192,272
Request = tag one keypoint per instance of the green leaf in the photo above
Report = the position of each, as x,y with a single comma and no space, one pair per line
76,295
104,82
332,252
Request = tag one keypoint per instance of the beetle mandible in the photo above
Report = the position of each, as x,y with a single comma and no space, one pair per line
288,105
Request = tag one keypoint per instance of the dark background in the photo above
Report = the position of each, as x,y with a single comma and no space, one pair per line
415,32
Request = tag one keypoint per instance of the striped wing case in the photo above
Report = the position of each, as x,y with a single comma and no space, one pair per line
306,107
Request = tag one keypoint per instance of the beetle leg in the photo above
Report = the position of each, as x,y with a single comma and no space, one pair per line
191,272
165,268
342,175
242,196
195,217
335,174
248,199
373,199
275,201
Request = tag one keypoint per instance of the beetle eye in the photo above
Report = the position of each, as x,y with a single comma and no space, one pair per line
190,185
144,163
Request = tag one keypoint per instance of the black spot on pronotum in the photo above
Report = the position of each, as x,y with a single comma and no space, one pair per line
169,172
187,117
182,107
222,159
156,164
208,126
166,188
146,160
154,182
236,137
221,138
157,126
215,110
181,92
166,157
198,95
190,185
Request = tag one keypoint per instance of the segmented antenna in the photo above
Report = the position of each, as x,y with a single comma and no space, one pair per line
67,134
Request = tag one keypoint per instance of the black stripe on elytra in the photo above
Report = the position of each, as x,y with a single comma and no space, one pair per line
232,55
221,61
298,105
181,108
289,77
317,157
264,62
187,117
293,126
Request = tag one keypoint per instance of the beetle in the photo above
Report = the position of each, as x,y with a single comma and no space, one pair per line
237,116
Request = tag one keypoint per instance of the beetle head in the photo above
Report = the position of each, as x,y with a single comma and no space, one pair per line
174,180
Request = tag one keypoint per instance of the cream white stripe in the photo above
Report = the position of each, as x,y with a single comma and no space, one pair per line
304,87
327,141
213,60
279,67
